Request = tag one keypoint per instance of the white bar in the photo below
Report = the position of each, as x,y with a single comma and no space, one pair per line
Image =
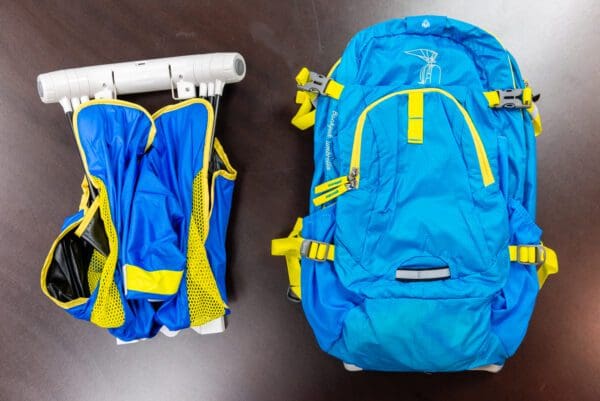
141,76
429,274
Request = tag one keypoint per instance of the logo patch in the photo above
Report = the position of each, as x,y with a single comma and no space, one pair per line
430,72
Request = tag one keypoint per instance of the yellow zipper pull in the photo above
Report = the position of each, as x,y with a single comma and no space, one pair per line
331,189
331,184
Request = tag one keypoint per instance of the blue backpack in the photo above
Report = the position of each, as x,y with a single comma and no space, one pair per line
420,251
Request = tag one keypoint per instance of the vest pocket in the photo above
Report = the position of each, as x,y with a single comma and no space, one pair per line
74,264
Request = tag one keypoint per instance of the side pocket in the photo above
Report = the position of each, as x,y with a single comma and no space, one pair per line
223,182
513,305
324,299
72,269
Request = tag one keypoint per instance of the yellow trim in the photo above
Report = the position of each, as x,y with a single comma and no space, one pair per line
512,73
415,117
87,217
334,67
107,291
484,165
207,140
228,173
123,103
194,234
160,282
48,261
85,194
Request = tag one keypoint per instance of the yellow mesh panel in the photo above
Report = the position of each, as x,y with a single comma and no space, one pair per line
95,270
108,309
204,300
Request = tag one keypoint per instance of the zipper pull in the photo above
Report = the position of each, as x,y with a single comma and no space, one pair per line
331,189
331,184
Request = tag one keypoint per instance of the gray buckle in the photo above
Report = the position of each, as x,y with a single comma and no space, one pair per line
540,254
305,248
511,99
316,84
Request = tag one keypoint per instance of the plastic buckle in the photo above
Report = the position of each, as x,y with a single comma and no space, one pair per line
511,99
540,254
316,83
305,249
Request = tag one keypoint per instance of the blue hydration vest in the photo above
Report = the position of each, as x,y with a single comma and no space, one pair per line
421,251
148,249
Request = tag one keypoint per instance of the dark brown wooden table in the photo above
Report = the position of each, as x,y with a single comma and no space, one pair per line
268,351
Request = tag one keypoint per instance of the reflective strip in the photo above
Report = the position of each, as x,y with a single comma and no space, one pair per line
415,117
160,282
429,274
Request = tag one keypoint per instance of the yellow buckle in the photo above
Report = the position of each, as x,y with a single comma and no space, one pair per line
531,254
314,250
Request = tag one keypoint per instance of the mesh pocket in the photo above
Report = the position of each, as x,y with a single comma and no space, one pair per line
205,303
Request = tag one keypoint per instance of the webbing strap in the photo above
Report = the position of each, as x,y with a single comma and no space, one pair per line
518,99
311,85
539,255
294,247
305,116
536,119
415,117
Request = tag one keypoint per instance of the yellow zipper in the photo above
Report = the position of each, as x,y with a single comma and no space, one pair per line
332,189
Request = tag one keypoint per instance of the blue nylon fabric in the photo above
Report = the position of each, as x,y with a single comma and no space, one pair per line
176,158
215,242
71,219
113,138
422,206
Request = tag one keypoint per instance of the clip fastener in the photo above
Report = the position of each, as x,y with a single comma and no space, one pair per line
306,246
316,83
512,99
540,254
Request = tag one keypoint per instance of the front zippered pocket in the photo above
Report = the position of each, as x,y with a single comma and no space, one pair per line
332,189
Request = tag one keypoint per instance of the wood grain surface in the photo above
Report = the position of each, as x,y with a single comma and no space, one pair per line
268,351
